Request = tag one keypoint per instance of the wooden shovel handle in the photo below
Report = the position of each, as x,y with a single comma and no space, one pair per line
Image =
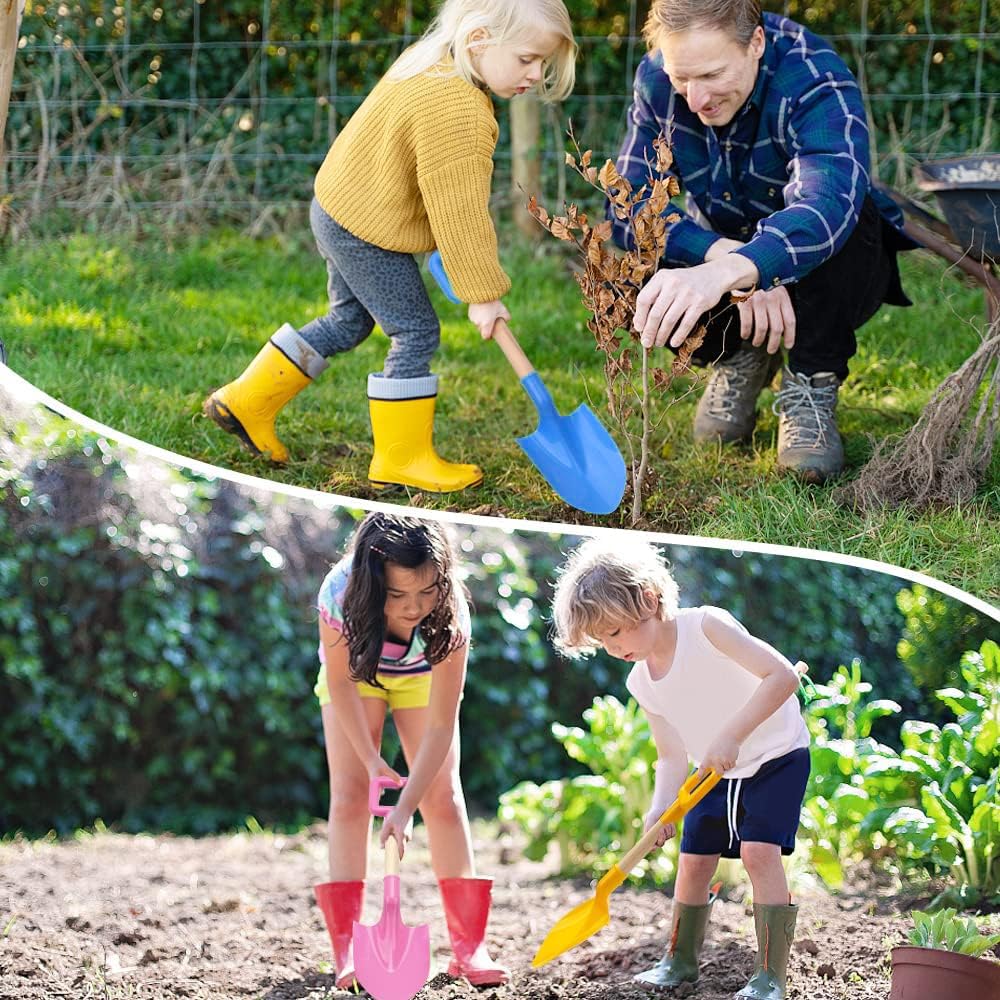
507,342
691,793
391,856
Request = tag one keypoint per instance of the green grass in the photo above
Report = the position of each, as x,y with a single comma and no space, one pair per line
135,331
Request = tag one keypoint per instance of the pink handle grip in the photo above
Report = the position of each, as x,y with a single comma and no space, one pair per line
375,793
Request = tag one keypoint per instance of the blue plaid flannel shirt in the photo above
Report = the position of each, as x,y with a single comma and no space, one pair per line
787,176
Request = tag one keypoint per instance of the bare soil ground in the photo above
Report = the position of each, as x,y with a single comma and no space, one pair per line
116,916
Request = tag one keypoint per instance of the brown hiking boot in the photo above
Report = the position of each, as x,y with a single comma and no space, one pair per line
727,410
808,440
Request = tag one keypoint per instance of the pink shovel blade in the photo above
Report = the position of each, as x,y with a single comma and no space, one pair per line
391,961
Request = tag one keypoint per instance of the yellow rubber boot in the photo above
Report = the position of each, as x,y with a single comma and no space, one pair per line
402,416
248,406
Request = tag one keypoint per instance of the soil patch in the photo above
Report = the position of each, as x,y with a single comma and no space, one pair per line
117,916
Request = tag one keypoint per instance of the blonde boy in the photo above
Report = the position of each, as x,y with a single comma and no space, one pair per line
722,698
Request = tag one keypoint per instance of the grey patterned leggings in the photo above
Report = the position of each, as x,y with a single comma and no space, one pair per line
368,285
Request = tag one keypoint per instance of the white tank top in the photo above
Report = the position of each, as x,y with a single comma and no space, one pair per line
704,689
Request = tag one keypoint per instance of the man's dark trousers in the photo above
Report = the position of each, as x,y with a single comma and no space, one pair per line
830,303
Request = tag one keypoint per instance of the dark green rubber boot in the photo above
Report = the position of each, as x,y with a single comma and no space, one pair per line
680,961
775,926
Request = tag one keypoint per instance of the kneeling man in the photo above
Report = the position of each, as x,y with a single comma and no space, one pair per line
770,141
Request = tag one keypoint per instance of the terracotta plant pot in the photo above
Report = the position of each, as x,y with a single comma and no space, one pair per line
934,974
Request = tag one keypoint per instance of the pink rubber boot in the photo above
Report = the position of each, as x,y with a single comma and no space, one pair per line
341,904
466,911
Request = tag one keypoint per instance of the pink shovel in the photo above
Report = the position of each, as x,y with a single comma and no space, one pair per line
391,961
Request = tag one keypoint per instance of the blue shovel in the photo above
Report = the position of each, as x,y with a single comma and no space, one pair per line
576,455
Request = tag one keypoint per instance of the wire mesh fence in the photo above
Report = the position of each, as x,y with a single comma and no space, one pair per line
203,109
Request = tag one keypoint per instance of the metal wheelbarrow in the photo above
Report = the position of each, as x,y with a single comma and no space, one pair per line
967,189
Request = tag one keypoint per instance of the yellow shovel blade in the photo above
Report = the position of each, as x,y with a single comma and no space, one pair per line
591,916
582,921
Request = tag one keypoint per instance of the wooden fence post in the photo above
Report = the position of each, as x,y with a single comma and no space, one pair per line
10,21
525,160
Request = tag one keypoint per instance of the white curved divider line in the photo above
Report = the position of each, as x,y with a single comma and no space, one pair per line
24,390
20,388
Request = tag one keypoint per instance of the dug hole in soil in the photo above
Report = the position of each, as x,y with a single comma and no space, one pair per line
119,916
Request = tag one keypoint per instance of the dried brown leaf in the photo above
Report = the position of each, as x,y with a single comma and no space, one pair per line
602,231
537,211
661,378
595,253
605,300
682,363
609,176
560,230
664,155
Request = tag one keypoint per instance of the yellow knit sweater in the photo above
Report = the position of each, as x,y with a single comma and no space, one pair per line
411,171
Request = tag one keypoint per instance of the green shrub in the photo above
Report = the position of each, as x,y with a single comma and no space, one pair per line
155,665
594,818
245,97
937,631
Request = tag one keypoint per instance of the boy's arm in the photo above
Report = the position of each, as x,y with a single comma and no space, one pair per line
671,770
779,681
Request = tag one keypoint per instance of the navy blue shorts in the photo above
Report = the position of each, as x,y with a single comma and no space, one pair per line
763,808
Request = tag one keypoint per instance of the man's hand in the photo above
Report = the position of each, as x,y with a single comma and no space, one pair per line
670,304
485,314
674,299
769,317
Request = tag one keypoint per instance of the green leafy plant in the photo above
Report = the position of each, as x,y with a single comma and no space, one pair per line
949,932
839,706
840,719
950,775
593,818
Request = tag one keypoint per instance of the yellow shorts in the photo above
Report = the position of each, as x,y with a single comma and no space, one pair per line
398,691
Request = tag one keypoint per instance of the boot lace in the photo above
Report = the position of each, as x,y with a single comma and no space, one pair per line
730,380
807,410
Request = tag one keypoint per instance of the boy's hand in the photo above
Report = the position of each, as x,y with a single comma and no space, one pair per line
720,756
484,314
666,832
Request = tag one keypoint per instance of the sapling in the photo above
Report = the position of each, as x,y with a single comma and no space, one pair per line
610,283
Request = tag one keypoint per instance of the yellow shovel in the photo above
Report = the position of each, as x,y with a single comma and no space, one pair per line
589,917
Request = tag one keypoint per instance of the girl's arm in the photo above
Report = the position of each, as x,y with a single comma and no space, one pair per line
447,682
671,770
347,702
778,683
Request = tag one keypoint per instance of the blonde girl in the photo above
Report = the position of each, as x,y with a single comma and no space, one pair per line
410,171
394,637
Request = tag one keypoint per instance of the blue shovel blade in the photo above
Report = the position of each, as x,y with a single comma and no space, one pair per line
577,456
